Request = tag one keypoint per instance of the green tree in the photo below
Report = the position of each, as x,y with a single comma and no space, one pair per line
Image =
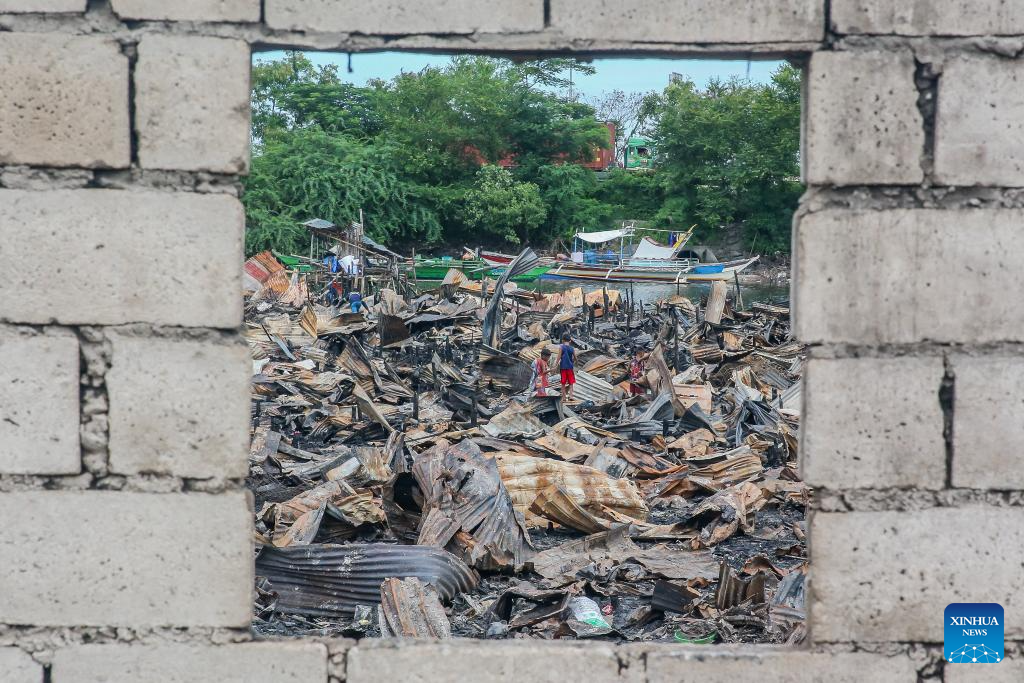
568,193
500,206
314,174
730,154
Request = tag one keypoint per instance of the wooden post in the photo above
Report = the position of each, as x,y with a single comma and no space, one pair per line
739,293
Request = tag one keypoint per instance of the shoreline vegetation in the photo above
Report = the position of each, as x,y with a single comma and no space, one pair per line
485,152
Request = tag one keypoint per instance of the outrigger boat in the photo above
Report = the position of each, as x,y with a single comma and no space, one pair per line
650,261
492,258
475,269
669,274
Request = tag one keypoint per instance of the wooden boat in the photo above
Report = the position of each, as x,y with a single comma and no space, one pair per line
437,268
492,258
529,276
630,270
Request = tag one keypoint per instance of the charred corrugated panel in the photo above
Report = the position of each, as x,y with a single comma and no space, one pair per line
464,493
393,330
410,609
706,353
733,590
557,506
331,580
491,328
525,477
670,597
506,373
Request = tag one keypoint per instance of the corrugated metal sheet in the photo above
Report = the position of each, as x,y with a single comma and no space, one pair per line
410,609
525,477
588,388
330,580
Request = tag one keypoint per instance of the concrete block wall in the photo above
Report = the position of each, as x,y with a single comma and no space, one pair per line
124,524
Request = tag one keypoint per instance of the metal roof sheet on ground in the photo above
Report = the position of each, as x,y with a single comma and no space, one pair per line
328,580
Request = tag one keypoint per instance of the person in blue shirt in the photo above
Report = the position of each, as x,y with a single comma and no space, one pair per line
567,367
355,301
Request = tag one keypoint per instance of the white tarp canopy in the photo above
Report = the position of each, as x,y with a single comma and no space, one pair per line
599,237
648,248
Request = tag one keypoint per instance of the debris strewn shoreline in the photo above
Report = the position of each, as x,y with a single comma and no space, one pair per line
410,482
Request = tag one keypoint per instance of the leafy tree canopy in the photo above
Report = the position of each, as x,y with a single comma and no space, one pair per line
483,150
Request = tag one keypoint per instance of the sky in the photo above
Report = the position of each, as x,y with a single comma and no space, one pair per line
628,75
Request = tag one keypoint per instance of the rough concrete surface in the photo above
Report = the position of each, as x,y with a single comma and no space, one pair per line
988,422
16,666
192,104
406,16
908,275
888,576
728,665
863,124
494,662
39,404
118,257
188,10
972,114
56,6
65,101
283,662
934,17
873,422
691,21
97,558
177,408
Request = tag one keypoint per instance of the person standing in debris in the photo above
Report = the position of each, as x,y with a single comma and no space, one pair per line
567,366
636,373
541,369
355,301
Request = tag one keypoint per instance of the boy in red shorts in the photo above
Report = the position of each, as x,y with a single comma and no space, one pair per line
567,365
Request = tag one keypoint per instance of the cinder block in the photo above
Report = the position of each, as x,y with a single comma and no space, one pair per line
395,17
908,275
188,10
480,661
192,103
888,576
108,257
691,21
39,412
65,101
935,17
178,407
979,123
873,423
18,667
26,6
97,558
1008,671
988,422
863,124
283,662
728,665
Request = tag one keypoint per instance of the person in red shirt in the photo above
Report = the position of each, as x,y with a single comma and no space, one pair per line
636,373
540,373
567,366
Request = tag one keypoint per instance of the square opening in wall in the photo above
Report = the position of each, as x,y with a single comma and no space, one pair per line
522,357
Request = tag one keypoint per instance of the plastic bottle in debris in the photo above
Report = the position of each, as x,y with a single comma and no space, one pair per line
585,618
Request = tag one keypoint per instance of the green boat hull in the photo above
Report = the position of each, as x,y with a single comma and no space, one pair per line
494,273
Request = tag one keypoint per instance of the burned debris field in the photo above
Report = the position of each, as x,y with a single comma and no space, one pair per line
409,481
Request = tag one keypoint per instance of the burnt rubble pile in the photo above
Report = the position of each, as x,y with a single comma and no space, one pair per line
411,481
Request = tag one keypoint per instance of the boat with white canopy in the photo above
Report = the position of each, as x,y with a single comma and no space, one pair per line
647,261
